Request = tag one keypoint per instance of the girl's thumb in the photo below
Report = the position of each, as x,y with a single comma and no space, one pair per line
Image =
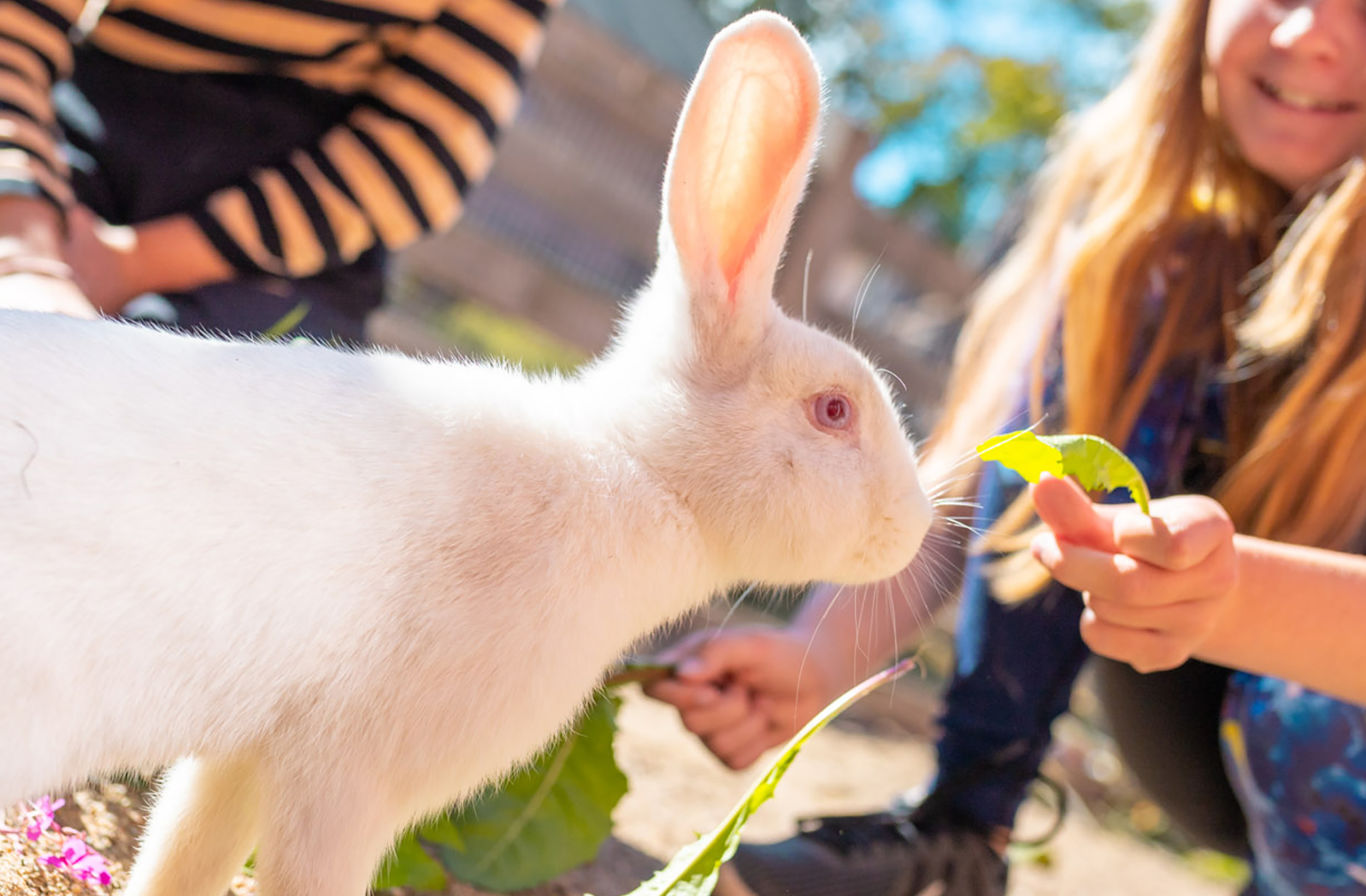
1066,509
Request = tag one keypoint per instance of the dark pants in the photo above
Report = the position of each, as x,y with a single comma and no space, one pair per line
1016,667
144,144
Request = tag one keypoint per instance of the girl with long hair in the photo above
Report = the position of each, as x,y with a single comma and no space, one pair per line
1190,283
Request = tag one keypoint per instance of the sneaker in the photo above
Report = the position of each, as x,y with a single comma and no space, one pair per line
886,854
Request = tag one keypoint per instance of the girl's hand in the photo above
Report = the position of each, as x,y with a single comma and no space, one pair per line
744,690
1154,586
104,258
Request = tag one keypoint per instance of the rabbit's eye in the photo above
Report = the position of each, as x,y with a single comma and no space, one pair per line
833,410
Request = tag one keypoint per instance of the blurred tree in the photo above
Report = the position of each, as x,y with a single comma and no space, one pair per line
961,95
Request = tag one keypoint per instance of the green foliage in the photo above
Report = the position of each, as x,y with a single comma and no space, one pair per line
1095,463
1021,100
1004,108
990,113
694,870
545,819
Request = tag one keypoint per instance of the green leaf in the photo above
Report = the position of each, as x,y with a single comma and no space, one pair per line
1095,463
693,871
545,819
410,866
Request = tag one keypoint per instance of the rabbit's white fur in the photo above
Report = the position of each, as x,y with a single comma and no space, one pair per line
352,587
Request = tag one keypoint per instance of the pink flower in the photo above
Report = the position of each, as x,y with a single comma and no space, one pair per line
40,816
81,862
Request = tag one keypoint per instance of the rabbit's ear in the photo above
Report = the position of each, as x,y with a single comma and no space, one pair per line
739,164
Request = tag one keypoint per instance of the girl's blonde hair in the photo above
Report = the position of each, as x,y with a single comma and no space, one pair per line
1146,177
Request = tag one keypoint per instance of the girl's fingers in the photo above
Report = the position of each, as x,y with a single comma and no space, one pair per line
720,657
682,694
740,744
730,708
1129,580
1145,650
1183,532
1179,534
752,750
1118,576
1066,509
1181,619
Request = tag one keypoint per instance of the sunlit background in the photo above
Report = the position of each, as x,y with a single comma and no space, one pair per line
961,93
939,112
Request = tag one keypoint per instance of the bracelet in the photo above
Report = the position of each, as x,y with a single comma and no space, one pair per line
36,265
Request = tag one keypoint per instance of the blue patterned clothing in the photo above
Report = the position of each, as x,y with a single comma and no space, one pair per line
1297,760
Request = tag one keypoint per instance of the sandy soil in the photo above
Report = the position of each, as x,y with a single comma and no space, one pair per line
677,788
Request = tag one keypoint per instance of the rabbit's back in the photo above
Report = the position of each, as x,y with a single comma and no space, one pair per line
142,451
217,524
235,537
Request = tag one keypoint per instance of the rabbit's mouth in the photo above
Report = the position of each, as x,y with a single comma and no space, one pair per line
884,555
897,536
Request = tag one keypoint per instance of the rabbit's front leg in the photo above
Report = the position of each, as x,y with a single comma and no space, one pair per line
325,838
204,823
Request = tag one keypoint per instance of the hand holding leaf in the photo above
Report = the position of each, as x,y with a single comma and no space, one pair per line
1155,585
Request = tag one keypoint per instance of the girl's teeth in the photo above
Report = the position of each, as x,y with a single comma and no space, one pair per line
1301,101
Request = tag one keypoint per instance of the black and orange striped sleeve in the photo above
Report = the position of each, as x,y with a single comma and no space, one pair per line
35,52
400,166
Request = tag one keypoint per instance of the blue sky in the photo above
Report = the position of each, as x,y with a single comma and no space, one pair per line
1035,31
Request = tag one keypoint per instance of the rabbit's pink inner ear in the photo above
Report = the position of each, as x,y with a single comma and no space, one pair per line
757,138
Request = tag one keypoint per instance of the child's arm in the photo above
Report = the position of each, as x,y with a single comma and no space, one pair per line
1181,583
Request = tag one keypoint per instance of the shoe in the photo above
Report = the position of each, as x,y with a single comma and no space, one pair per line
886,854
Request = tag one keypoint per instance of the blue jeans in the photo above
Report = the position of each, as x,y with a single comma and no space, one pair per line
1015,668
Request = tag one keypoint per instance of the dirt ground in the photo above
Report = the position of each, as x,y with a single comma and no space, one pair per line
677,789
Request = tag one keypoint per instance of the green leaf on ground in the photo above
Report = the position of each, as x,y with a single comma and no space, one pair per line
693,871
1095,463
550,816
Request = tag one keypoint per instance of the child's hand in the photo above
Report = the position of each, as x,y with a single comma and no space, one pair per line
103,256
745,690
1154,586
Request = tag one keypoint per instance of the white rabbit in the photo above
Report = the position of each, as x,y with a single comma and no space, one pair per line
352,587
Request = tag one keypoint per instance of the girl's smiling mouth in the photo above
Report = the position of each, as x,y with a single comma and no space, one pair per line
1302,102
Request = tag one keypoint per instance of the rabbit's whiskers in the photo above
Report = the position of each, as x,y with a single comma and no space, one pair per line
806,283
862,294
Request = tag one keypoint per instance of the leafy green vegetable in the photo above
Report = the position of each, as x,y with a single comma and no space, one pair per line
1093,461
693,871
547,818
